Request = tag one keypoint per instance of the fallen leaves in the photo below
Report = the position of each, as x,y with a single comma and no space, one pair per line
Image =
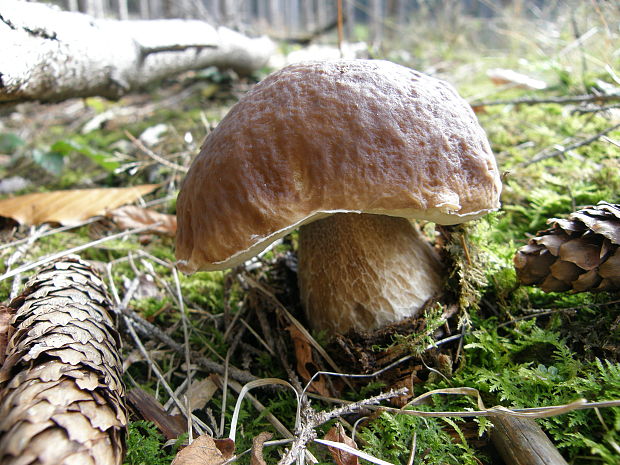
131,217
501,76
337,434
70,207
6,314
203,451
305,361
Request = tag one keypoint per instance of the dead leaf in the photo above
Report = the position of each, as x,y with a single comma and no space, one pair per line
257,448
131,216
201,392
337,434
305,360
226,446
146,288
202,451
69,207
6,313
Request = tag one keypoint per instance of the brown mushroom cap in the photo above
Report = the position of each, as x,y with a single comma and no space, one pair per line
318,138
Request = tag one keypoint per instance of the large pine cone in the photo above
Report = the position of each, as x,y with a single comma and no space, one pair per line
61,393
577,254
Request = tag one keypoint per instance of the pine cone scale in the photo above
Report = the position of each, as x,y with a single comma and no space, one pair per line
581,252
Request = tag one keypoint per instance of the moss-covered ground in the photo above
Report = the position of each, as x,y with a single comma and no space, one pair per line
521,347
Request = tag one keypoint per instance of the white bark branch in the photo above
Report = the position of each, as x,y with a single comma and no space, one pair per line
51,55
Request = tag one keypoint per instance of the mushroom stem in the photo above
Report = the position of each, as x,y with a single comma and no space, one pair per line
363,271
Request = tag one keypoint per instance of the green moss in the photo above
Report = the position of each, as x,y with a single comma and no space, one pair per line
390,437
526,365
145,445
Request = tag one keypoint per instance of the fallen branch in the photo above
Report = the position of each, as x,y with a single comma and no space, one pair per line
51,55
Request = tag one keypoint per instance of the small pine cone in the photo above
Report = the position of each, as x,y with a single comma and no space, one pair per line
577,254
61,393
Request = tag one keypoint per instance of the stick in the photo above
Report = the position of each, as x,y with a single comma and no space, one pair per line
520,441
150,330
560,100
557,153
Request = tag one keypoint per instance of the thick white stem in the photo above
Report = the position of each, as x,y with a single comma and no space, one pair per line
363,272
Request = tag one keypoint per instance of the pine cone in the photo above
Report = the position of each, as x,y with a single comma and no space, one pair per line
577,254
61,393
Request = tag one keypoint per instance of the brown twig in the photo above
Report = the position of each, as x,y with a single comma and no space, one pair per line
583,110
556,153
560,100
153,155
149,330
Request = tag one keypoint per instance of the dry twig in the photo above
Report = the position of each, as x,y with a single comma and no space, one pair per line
556,153
559,100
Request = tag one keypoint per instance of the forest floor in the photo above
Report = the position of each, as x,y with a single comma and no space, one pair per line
515,345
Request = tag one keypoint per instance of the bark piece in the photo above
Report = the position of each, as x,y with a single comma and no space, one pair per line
149,408
50,55
579,253
61,395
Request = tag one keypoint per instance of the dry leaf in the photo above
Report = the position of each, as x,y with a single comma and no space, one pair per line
6,314
257,448
303,355
337,434
226,446
69,207
146,288
200,392
130,217
203,451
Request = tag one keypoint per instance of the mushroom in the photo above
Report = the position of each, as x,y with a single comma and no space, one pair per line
349,152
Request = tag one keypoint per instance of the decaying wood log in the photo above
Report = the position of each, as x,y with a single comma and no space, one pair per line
61,393
50,55
520,441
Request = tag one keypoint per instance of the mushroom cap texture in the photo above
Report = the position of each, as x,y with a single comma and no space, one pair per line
317,138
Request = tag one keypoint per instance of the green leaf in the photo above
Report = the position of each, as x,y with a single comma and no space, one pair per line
10,142
51,161
103,159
